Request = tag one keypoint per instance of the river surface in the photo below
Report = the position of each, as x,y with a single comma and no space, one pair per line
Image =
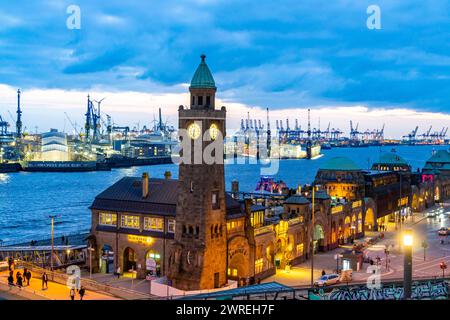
28,198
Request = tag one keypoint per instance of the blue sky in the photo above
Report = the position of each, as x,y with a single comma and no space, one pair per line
278,54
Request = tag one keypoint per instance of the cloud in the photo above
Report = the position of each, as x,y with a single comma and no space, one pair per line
284,55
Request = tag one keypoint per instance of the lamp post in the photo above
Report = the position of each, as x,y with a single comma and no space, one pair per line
90,249
52,217
312,237
407,273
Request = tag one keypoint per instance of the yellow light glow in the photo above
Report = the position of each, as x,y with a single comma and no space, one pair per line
140,239
408,238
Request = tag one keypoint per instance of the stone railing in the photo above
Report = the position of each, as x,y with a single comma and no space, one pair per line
293,221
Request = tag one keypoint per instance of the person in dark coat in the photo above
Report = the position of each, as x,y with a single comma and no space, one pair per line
323,272
19,279
25,271
28,277
81,292
44,281
11,279
10,263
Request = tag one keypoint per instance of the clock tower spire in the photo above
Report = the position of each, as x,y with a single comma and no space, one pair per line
198,255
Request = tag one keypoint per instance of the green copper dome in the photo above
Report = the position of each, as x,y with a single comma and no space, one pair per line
340,164
202,77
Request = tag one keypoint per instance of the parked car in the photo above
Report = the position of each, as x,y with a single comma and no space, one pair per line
444,231
326,280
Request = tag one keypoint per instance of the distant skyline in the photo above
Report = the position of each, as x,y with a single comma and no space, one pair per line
287,55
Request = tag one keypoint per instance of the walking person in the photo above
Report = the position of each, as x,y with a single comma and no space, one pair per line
25,271
19,282
81,292
72,294
44,281
118,272
27,275
11,278
10,263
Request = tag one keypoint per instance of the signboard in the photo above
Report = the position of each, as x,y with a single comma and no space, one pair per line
150,264
140,239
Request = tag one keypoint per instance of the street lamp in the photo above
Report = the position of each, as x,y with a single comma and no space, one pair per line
407,273
313,232
90,249
52,217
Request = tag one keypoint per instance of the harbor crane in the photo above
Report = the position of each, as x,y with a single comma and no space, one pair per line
412,135
354,133
74,126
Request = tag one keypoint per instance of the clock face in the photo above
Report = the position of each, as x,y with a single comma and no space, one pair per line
194,131
213,131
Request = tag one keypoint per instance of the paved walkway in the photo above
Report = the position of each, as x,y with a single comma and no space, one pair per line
55,290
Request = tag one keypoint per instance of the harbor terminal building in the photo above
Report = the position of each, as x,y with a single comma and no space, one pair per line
198,236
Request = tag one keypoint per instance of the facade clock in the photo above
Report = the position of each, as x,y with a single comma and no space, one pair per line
194,131
213,131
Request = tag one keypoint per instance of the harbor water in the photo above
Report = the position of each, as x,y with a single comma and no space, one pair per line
27,198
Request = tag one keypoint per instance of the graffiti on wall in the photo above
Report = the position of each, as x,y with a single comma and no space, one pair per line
420,291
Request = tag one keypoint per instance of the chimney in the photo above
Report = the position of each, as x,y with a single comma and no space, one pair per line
167,175
144,185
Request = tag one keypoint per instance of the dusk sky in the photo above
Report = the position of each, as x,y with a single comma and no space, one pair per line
285,55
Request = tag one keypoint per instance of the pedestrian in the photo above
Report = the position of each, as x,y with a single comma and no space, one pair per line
72,294
25,271
10,263
118,272
19,280
323,272
44,281
81,292
28,277
11,278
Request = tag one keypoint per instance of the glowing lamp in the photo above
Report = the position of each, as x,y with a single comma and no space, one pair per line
408,238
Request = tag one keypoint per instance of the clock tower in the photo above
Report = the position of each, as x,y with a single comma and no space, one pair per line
198,255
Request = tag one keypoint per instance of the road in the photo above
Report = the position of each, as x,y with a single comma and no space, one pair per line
423,229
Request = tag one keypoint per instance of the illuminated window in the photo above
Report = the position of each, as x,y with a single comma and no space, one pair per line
153,224
232,272
107,219
171,226
300,249
130,222
259,265
215,200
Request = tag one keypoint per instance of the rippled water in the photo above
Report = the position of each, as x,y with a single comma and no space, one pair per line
27,199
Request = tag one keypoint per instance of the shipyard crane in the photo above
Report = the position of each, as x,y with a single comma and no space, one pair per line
412,135
354,131
426,134
3,127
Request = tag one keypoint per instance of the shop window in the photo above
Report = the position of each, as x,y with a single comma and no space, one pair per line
259,265
130,222
232,272
107,219
153,224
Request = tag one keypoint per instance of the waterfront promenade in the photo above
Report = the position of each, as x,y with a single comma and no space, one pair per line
55,290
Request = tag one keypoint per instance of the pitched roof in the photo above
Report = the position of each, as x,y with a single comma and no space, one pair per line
440,156
202,77
126,196
391,158
296,199
340,164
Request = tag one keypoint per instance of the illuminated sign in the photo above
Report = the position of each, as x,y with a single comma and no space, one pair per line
336,209
356,204
140,239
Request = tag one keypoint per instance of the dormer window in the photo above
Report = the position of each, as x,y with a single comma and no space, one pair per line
208,101
200,100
